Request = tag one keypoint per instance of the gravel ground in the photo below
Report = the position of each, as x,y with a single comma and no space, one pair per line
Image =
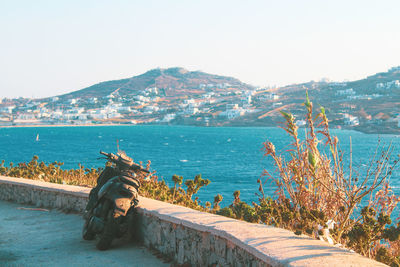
51,238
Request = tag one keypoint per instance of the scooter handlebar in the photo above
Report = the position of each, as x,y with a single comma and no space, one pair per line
138,167
114,158
110,156
104,153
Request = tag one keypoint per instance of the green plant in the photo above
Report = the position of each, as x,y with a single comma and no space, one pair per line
193,186
51,172
177,181
177,195
217,199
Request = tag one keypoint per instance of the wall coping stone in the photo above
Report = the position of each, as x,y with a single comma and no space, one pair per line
274,246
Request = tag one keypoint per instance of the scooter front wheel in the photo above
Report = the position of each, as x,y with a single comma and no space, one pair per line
87,234
107,235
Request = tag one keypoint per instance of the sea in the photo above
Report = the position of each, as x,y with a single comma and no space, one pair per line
231,157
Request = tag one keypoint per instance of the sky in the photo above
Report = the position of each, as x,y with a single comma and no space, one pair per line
52,47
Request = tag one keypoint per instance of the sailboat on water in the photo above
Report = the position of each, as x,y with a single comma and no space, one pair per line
37,137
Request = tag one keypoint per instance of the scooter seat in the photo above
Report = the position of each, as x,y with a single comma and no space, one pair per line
130,181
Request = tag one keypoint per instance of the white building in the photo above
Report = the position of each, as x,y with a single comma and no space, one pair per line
43,109
247,96
82,117
300,123
141,98
233,113
113,106
7,109
113,115
349,91
43,114
189,101
276,104
208,95
151,90
270,96
388,85
56,114
77,110
151,109
26,116
191,110
350,120
249,92
93,100
338,84
124,109
72,101
99,116
169,117
232,106
70,116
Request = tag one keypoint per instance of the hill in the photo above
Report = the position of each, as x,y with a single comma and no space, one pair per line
171,81
179,96
369,105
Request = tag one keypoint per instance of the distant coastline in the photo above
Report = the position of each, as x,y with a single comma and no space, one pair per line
365,130
61,125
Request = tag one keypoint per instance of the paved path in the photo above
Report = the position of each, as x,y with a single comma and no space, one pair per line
40,238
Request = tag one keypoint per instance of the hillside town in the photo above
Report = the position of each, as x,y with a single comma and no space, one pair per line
349,104
148,106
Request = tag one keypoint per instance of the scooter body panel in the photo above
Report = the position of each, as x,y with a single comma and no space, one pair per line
121,194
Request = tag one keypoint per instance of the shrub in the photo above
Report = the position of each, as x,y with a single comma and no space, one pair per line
314,187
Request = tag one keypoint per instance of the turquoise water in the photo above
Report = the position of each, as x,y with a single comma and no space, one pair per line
232,158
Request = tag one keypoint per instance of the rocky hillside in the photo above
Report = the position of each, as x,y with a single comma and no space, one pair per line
172,82
370,105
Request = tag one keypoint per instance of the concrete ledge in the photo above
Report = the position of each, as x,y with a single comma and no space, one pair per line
43,194
198,238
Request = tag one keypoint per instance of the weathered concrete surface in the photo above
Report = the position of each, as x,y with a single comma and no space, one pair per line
40,238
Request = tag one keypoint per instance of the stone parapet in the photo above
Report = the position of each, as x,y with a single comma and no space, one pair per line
194,237
43,194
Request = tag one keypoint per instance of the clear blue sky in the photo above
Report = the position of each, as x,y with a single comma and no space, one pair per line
52,47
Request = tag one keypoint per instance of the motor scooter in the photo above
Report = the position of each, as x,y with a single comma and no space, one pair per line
109,213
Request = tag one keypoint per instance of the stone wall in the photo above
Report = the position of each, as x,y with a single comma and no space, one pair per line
200,248
192,237
40,194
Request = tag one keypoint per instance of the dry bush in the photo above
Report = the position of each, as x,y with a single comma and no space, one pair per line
310,180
